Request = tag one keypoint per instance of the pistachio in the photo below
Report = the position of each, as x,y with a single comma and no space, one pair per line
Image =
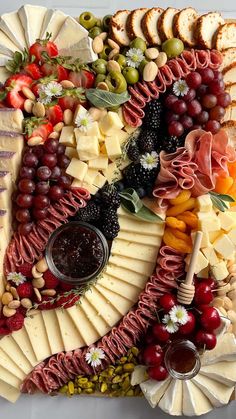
41,265
128,367
67,84
161,59
58,127
38,282
14,304
37,140
8,312
26,303
150,71
36,273
97,44
28,105
103,387
6,298
27,92
39,110
71,388
151,53
113,65
68,116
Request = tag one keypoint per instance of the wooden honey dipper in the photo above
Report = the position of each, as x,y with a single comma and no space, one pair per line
186,289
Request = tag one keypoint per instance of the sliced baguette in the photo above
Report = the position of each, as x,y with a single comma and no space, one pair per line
149,25
229,57
226,36
229,74
165,23
118,27
206,29
229,112
184,26
230,128
231,89
133,25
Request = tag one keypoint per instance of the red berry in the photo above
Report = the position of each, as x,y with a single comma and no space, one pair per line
210,319
211,282
153,355
203,338
67,301
50,280
167,301
160,333
158,373
15,322
46,303
25,290
4,331
203,293
187,328
25,269
65,287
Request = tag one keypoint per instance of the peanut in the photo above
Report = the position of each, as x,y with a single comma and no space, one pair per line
68,117
41,265
151,53
97,44
35,273
38,282
39,110
14,304
6,298
67,84
14,293
8,312
50,292
28,105
103,35
26,303
150,71
58,127
161,59
37,140
38,295
28,93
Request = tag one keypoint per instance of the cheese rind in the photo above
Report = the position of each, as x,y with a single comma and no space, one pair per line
218,393
10,24
194,400
32,18
82,50
154,390
52,23
172,400
224,372
6,45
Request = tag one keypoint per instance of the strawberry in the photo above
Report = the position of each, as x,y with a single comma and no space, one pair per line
67,301
37,127
58,70
82,78
42,48
50,280
25,290
54,114
46,303
73,97
15,322
33,70
14,85
26,269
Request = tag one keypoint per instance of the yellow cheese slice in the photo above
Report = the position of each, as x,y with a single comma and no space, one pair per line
104,308
172,401
120,303
8,392
70,335
83,325
11,348
134,250
10,365
129,291
224,372
98,322
38,337
216,392
145,268
9,378
22,339
194,400
150,229
140,238
53,331
134,278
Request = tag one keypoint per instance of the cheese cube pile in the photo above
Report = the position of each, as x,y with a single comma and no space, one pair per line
218,244
94,152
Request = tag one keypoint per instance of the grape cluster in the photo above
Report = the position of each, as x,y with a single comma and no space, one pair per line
42,180
203,106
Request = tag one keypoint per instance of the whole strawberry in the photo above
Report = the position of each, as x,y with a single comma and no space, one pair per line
50,280
25,290
15,322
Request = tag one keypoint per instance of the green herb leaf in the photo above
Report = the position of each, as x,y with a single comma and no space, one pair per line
219,200
223,197
218,203
131,202
103,99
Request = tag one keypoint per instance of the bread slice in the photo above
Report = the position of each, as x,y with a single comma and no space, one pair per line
231,89
184,26
229,112
229,57
165,23
149,25
206,29
226,36
118,27
133,25
229,74
230,128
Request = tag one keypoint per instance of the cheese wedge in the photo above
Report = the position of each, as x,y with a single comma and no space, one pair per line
32,18
133,25
144,268
4,74
9,378
82,50
83,324
120,303
6,45
131,225
10,365
140,238
52,24
149,25
104,309
98,322
23,341
134,278
36,331
8,392
154,390
3,59
134,250
11,119
224,372
194,400
70,33
53,331
10,347
130,292
139,375
218,393
11,24
69,333
172,400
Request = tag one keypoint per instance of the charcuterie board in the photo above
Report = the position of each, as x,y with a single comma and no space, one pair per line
117,206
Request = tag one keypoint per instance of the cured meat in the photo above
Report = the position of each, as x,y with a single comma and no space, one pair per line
50,375
27,249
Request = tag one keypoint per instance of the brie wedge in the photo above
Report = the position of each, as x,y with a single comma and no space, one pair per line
218,393
172,401
32,18
70,33
82,50
154,390
7,47
10,24
195,402
52,24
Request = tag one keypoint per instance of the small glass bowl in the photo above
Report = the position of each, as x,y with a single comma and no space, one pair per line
71,228
183,353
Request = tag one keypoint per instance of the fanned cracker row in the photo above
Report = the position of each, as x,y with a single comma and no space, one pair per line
133,25
184,26
149,25
118,27
206,29
226,36
165,23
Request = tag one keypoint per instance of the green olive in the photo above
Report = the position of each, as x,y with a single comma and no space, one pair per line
131,75
100,66
138,43
87,20
106,22
99,79
142,65
121,59
116,82
99,23
95,31
105,52
172,47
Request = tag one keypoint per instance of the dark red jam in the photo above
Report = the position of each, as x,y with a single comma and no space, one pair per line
182,360
77,251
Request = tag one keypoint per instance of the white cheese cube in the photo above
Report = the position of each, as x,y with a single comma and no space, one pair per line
100,180
122,136
201,263
205,242
213,235
80,112
209,224
71,152
112,173
110,123
224,246
204,203
220,271
226,220
232,236
77,169
90,176
113,146
101,163
211,256
95,130
204,273
88,147
78,184
67,136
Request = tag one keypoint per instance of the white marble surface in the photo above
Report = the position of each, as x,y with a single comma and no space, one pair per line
41,407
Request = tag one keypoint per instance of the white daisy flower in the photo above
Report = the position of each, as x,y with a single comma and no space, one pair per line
179,314
180,88
171,326
84,121
94,356
45,100
134,57
16,277
52,89
149,161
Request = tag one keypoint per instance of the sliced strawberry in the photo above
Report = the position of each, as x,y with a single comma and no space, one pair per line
14,85
62,73
33,71
72,98
43,46
54,114
58,70
82,78
35,89
37,127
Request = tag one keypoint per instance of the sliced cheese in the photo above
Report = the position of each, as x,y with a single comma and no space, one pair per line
82,50
98,322
38,337
3,59
32,18
224,372
134,278
83,324
6,45
11,141
134,250
9,378
53,331
70,335
172,401
135,265
120,303
194,400
10,24
11,120
120,287
10,365
139,375
225,350
216,392
8,392
70,33
154,390
22,339
103,306
132,224
4,74
52,23
140,238
11,348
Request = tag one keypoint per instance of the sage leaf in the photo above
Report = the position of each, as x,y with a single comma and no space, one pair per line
131,200
223,197
218,203
144,214
103,99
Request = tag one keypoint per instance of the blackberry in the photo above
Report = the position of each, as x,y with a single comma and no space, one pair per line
153,112
90,213
133,151
110,197
137,177
109,224
147,140
171,143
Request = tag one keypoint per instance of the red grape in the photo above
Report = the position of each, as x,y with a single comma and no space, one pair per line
56,173
27,172
175,128
203,117
42,188
194,108
217,113
216,87
24,200
41,201
43,173
51,145
218,75
170,100
196,126
49,160
61,149
23,215
190,95
209,101
55,192
170,116
63,161
64,181
224,99
179,107
212,126
30,160
38,150
186,121
26,185
207,75
25,228
202,90
158,373
193,80
153,355
40,214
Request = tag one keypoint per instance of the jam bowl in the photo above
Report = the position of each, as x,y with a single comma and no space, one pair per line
76,253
